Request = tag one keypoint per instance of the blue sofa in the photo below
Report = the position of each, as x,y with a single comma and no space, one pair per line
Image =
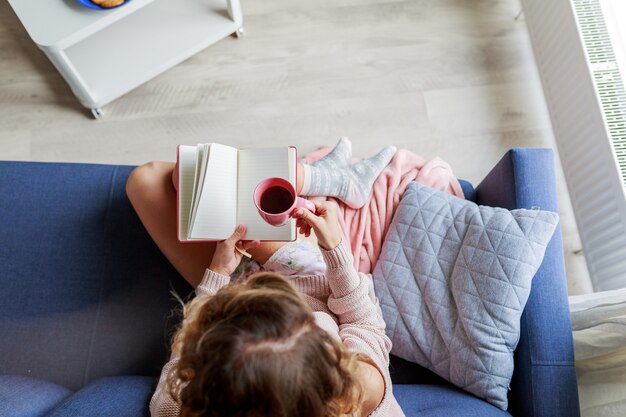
86,310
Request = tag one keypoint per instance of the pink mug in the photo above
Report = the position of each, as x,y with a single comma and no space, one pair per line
276,201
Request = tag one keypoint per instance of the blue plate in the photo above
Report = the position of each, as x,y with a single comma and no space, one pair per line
88,3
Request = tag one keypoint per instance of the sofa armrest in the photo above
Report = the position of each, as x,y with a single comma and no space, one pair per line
544,379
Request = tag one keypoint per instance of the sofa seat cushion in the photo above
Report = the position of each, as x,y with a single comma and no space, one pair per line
442,401
23,396
85,291
120,396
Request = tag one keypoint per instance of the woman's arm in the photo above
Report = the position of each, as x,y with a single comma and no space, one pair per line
162,404
352,299
361,324
223,263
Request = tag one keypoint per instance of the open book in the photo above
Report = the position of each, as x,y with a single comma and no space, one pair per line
215,190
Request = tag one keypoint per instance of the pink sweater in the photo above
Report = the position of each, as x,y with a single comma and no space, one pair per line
343,302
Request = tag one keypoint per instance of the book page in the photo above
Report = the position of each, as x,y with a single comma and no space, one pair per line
256,165
216,215
202,155
186,180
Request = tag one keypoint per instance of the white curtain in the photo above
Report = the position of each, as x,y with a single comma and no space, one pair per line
599,326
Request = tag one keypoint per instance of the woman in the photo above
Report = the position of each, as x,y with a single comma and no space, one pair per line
305,339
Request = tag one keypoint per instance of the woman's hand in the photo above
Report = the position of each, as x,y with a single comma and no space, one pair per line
226,257
324,222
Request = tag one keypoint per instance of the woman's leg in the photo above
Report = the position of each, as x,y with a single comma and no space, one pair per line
151,191
334,176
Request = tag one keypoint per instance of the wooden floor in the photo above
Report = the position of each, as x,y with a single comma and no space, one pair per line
448,78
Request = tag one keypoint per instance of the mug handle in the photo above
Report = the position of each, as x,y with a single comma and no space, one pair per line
304,203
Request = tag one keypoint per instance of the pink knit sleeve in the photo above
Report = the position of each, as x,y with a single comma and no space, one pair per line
361,324
162,404
211,283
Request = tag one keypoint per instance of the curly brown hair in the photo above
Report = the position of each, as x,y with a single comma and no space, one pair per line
254,349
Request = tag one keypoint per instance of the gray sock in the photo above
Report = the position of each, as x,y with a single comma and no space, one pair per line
339,157
351,184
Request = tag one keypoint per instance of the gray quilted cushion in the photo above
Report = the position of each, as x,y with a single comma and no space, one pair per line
453,279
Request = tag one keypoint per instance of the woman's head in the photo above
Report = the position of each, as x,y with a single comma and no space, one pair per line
254,349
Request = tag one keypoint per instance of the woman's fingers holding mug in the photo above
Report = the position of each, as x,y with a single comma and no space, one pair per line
325,208
325,223
307,217
303,227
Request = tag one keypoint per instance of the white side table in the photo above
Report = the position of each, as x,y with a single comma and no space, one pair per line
103,54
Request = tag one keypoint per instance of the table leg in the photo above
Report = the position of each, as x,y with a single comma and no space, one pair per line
234,11
78,85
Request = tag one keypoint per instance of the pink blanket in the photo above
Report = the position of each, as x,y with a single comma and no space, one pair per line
365,228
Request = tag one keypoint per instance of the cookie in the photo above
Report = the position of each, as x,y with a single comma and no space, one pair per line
107,4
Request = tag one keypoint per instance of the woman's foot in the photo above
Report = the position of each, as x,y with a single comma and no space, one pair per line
352,184
339,157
